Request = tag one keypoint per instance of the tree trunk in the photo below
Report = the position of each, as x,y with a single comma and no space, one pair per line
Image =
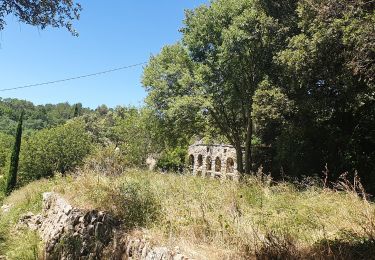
249,137
239,158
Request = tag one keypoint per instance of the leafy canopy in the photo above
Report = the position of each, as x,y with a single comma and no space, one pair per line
58,13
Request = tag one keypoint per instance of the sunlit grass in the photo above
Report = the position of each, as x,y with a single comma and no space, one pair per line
213,219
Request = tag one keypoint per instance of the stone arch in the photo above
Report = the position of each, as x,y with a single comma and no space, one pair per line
208,163
230,165
200,160
191,162
217,164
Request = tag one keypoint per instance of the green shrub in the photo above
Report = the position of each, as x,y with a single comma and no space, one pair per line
172,159
139,204
105,160
58,149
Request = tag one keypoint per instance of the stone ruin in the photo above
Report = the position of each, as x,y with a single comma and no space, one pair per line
213,161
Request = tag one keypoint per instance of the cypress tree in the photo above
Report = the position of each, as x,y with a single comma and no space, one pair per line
13,168
76,110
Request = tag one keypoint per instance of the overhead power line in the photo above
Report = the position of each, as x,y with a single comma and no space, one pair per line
74,78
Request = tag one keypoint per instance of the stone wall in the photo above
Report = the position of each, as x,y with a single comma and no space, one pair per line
70,233
214,161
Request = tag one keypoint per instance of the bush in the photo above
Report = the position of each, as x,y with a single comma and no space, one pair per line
172,159
6,144
105,160
139,204
58,149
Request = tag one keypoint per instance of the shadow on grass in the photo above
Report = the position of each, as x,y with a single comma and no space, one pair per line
336,249
277,248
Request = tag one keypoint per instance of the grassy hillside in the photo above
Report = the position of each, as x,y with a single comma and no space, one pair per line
209,219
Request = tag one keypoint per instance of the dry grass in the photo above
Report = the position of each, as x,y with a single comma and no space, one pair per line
222,220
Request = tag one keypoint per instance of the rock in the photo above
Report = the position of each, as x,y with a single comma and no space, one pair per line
6,208
77,234
30,221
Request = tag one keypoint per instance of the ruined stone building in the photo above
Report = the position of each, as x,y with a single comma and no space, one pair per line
214,160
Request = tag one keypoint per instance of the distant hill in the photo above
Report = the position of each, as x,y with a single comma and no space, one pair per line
37,117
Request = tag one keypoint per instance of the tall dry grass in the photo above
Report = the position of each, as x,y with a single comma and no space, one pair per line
209,219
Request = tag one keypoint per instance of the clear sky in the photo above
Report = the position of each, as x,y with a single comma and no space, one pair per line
111,34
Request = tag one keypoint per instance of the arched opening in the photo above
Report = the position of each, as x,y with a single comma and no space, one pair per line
208,163
217,164
200,160
191,162
230,165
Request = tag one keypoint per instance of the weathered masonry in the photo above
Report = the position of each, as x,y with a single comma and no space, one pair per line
213,161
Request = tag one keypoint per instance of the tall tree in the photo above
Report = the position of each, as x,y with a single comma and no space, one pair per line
77,109
13,168
173,94
226,54
57,13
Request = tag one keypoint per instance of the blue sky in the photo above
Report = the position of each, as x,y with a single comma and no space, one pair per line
112,34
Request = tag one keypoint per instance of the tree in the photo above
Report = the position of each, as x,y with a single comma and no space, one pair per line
13,168
226,53
173,95
329,73
58,13
77,110
134,134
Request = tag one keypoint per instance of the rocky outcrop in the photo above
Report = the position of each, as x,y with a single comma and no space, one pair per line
137,248
71,233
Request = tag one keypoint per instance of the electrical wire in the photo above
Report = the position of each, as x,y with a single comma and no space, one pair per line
74,78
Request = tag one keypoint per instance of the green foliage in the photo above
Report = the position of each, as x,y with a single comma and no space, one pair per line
77,108
58,149
271,110
329,74
6,142
139,205
290,81
133,136
42,14
172,159
105,160
133,132
14,159
36,117
173,94
226,53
